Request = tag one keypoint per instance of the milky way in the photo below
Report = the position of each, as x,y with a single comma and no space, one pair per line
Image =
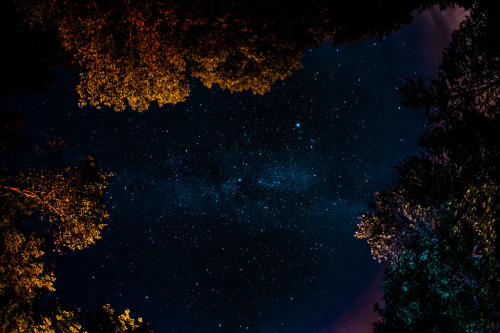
234,211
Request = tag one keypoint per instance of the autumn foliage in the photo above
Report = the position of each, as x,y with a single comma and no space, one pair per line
133,53
69,199
69,202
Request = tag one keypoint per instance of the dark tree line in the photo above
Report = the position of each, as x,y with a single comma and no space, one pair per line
438,225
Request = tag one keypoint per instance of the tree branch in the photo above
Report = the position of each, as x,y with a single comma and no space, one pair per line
30,194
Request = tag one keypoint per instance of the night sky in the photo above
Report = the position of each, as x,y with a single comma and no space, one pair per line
234,212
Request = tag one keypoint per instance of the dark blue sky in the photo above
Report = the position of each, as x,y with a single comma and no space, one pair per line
235,211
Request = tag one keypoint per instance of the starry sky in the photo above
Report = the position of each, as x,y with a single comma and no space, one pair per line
236,212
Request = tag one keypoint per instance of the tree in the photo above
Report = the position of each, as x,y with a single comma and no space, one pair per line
23,277
108,320
477,218
447,280
132,53
383,228
57,317
69,199
464,96
404,208
444,274
458,155
430,288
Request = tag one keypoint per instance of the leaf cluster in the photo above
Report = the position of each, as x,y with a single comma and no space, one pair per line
69,201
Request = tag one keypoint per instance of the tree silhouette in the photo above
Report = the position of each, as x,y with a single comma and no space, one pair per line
438,224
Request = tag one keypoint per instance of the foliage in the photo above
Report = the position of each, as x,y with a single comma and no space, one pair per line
59,318
477,214
438,224
446,280
465,96
108,320
23,277
380,229
70,199
395,218
133,53
136,52
14,209
23,270
432,287
141,68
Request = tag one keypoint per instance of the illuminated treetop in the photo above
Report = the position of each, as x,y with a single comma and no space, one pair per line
69,198
70,201
132,53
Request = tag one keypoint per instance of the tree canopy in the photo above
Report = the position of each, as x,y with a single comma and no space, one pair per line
69,201
132,53
23,277
438,224
68,198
